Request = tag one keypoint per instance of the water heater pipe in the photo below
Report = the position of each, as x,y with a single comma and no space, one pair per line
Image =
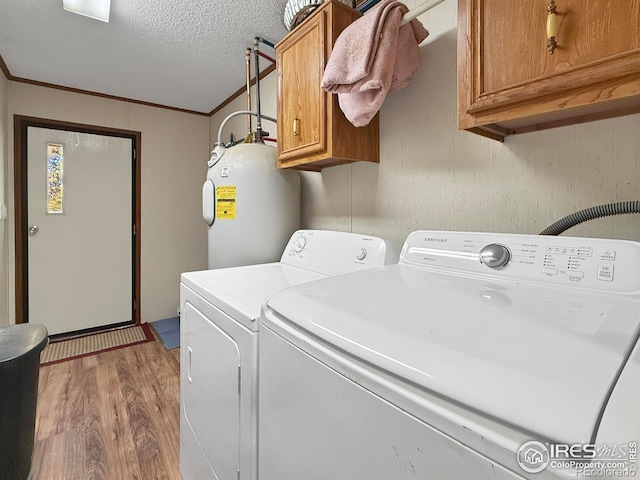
263,55
219,148
247,57
266,42
256,41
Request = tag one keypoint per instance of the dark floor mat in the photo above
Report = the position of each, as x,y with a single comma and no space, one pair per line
169,331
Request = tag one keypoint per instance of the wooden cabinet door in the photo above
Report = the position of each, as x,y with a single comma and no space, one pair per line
506,71
514,43
302,110
312,131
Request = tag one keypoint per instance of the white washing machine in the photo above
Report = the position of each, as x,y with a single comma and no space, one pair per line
479,356
219,341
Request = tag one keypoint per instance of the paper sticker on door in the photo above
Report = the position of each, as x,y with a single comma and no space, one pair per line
226,202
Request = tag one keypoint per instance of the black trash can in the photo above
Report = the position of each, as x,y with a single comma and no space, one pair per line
20,347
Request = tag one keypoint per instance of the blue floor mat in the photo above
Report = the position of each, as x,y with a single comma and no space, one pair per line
169,331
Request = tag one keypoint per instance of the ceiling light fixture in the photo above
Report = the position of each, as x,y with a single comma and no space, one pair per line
98,9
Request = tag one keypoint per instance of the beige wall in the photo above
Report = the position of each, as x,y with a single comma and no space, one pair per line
174,154
4,154
432,176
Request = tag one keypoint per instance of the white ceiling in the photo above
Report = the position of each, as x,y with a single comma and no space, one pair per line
187,54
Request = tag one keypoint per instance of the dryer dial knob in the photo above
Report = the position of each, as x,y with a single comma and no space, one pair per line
362,254
495,255
299,243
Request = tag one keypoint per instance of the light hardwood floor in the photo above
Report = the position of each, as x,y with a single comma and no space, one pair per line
111,416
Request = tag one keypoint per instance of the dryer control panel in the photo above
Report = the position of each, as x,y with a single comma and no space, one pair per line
601,264
330,252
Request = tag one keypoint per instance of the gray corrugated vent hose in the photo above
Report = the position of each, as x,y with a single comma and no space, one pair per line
607,210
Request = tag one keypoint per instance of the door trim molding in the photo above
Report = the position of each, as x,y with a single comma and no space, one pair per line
20,125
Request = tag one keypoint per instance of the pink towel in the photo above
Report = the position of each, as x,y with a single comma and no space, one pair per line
372,57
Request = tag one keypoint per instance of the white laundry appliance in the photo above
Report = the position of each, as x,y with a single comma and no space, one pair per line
479,356
219,341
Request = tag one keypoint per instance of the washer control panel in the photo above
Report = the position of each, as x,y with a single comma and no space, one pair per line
602,264
576,261
331,252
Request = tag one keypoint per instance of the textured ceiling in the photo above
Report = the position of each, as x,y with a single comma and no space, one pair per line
187,54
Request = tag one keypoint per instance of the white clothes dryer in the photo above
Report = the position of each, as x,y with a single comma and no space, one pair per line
479,356
219,342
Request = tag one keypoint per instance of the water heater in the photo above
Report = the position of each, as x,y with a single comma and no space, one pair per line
251,207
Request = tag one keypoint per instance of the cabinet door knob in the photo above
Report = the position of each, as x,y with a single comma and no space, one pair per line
295,126
552,26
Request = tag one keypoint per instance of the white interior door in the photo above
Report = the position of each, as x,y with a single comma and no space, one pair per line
80,260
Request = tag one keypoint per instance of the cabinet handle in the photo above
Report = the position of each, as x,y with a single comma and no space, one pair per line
552,26
295,126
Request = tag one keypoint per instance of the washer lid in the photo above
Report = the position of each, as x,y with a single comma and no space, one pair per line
542,359
240,291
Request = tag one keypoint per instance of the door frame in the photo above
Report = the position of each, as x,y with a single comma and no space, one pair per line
20,125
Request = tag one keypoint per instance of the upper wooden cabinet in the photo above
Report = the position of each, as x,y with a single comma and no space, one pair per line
313,133
508,82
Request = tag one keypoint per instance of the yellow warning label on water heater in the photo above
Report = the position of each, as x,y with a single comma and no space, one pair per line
226,202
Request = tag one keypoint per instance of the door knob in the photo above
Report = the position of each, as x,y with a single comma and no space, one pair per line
33,229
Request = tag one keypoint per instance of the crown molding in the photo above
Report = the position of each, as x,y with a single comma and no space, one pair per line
233,96
5,69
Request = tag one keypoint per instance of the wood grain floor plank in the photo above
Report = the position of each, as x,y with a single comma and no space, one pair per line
110,416
122,461
95,453
162,388
67,409
140,420
66,449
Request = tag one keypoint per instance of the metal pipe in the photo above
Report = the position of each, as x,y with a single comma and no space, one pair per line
256,40
219,147
272,60
235,114
247,57
266,42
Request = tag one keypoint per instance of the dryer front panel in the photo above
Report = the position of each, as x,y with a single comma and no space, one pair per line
210,378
